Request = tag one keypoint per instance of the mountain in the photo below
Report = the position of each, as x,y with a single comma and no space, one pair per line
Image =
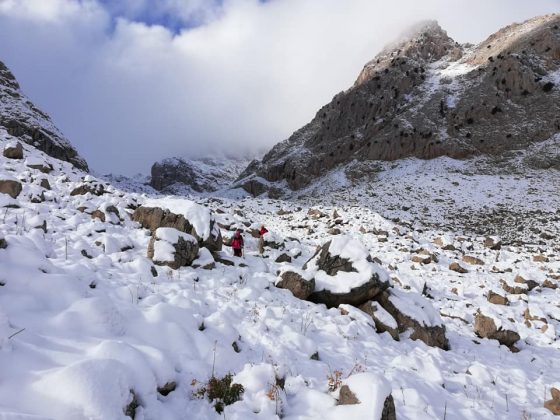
24,121
187,176
427,96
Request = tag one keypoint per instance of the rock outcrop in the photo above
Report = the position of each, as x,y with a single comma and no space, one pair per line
172,248
426,97
23,120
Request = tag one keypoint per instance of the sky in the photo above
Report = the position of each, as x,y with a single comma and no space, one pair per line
130,82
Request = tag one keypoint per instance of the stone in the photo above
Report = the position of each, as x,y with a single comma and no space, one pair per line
472,260
389,411
168,388
93,188
11,187
45,184
540,258
521,289
98,214
422,259
492,243
346,396
315,213
41,167
497,299
553,405
3,243
334,231
434,336
295,283
455,266
485,327
185,250
549,284
283,258
153,218
13,152
373,309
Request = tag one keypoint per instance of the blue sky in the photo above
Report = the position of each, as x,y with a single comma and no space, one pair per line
133,81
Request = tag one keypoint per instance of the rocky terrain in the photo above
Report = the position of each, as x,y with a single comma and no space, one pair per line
427,96
186,176
21,119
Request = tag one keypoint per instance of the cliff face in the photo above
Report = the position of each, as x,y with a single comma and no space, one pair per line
427,96
21,119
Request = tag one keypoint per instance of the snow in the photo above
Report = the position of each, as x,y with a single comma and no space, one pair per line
79,332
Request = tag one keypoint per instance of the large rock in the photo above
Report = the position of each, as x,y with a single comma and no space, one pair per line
345,274
173,248
295,283
553,405
153,218
94,188
415,314
13,151
482,101
10,187
485,327
367,390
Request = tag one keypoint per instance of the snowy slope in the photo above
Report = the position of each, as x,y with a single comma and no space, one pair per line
85,327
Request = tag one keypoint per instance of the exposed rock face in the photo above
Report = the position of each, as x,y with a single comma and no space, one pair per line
485,327
10,187
29,124
153,218
428,96
295,283
178,175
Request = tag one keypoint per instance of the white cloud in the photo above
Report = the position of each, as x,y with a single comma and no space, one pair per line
127,94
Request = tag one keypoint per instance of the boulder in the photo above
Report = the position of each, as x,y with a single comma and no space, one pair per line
472,260
415,314
485,327
13,151
347,397
540,258
344,273
553,405
284,258
422,259
497,299
11,187
45,184
153,218
492,243
98,214
315,213
295,283
94,188
383,320
368,390
455,266
3,243
172,248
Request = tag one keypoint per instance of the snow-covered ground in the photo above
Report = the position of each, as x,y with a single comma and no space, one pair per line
86,327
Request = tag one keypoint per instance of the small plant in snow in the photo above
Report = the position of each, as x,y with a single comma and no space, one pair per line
220,391
334,380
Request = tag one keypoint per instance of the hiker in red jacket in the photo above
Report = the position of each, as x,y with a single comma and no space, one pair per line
262,232
237,243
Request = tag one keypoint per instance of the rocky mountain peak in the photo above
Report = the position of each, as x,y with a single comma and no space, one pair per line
23,120
427,96
423,43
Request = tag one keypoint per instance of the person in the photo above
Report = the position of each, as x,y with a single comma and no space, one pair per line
262,232
237,243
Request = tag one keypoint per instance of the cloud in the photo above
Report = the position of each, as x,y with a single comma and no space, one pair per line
239,77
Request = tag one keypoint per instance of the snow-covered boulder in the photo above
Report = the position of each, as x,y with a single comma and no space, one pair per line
183,215
297,284
494,329
9,185
344,273
173,248
413,313
13,150
384,321
95,188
